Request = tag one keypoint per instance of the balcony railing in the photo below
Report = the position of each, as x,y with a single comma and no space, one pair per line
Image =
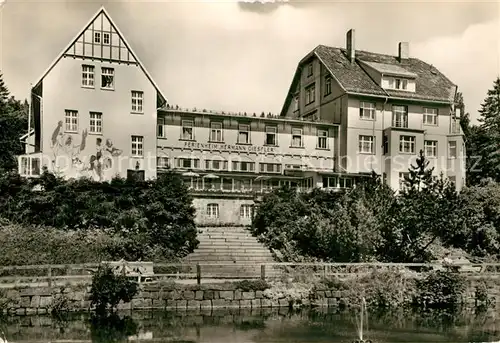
402,123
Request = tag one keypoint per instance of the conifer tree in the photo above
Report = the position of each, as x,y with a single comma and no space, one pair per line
13,124
489,144
4,95
420,177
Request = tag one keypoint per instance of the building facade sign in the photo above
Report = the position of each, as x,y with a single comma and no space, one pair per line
229,147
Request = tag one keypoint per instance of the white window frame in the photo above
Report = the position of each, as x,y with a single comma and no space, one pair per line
400,116
271,130
236,166
137,101
186,125
297,133
88,76
95,126
246,211
328,85
367,110
161,127
28,167
322,139
216,132
244,128
407,141
213,210
71,121
104,36
310,70
210,165
137,146
452,146
97,37
106,71
400,84
310,94
432,114
455,125
162,162
193,164
431,146
274,168
366,144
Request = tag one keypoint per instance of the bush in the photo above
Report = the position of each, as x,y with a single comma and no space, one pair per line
481,294
34,245
155,216
294,293
252,285
441,289
381,290
108,289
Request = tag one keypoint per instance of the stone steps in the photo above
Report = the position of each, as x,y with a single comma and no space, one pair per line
228,238
222,250
239,245
231,247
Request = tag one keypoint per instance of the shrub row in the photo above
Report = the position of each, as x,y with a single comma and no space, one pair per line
135,217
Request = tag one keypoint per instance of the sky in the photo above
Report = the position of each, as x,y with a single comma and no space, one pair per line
241,56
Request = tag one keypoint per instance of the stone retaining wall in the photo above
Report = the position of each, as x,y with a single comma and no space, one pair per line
42,300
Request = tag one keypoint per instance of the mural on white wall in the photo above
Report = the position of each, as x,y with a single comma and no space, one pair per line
68,157
103,159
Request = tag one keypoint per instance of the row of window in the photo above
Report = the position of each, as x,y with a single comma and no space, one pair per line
310,90
223,165
245,211
366,145
310,93
399,114
244,134
72,121
108,83
367,110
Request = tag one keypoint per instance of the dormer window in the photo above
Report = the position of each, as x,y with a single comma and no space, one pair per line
400,83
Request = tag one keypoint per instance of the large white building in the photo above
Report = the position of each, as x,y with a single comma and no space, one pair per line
388,108
98,113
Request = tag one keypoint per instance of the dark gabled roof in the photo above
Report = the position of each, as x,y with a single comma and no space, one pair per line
431,84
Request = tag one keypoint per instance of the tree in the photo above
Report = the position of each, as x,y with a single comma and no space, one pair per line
425,211
4,94
476,168
420,176
13,124
487,141
464,117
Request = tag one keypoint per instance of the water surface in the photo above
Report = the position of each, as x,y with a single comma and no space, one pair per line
261,326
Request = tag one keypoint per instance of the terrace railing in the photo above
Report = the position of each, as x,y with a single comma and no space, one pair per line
57,275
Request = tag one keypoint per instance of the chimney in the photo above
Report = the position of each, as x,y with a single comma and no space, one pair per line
350,45
404,50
